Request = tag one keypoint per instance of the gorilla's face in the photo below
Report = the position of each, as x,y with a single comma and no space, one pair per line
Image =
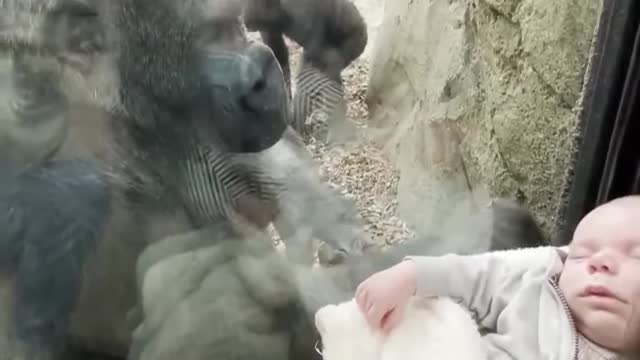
183,71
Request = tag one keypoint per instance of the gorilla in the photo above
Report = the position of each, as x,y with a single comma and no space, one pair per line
241,300
106,103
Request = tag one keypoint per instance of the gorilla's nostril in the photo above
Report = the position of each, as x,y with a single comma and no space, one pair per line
259,85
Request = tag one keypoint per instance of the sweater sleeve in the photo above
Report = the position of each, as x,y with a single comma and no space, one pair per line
484,283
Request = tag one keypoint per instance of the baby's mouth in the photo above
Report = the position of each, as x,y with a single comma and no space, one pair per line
600,291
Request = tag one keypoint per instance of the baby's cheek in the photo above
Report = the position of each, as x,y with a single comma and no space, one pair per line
569,285
634,319
631,282
571,278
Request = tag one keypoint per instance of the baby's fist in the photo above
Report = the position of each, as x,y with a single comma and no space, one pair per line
383,295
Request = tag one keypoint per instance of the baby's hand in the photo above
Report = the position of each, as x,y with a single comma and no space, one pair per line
383,295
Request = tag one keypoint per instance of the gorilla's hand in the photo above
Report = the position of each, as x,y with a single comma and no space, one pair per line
232,300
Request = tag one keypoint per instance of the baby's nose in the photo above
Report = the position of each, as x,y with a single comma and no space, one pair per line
603,262
599,268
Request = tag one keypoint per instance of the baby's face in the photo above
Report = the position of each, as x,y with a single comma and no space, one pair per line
601,277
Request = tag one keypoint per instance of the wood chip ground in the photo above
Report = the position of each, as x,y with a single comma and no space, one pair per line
360,170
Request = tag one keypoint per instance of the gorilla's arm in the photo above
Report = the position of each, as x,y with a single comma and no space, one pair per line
342,40
267,17
308,208
333,33
238,292
50,220
351,36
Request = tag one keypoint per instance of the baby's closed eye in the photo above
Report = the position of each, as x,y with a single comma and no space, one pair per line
578,256
635,253
579,252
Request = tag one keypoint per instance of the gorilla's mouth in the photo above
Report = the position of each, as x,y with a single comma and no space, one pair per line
249,89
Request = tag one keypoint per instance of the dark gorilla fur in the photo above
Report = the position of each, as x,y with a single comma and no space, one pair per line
513,226
332,33
48,259
268,306
110,182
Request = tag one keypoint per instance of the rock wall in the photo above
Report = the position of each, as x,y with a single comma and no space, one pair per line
480,95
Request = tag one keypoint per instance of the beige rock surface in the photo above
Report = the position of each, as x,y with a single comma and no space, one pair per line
479,95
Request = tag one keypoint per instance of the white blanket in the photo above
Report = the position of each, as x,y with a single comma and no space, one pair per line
433,328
